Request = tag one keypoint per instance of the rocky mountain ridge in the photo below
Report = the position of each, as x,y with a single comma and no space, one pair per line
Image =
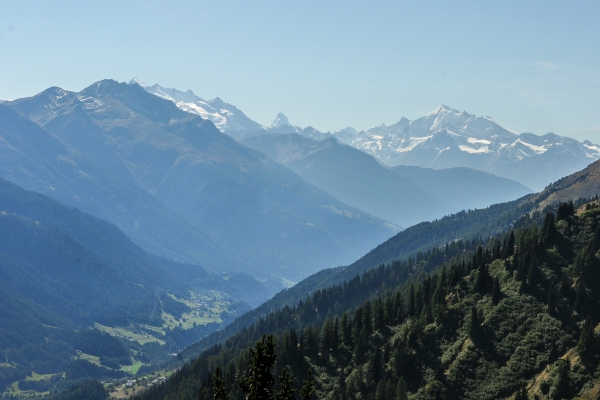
444,138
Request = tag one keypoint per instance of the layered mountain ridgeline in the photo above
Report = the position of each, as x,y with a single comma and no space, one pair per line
444,138
259,212
402,195
225,116
421,238
515,317
63,272
88,177
447,138
463,188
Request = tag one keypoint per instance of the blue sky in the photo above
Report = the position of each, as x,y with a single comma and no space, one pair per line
533,66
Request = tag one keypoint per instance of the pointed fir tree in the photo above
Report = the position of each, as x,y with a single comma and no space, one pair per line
496,292
549,232
259,382
483,280
472,323
533,273
439,296
586,345
411,306
219,386
308,388
287,387
478,257
401,391
522,393
510,245
565,210
562,388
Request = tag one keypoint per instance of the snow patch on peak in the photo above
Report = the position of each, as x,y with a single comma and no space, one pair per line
536,149
442,108
139,82
472,150
412,143
587,144
482,141
217,103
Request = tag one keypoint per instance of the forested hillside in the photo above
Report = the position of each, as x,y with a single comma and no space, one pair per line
513,317
466,226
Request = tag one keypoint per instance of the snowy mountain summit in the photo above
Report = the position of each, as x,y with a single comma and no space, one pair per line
225,116
446,138
443,135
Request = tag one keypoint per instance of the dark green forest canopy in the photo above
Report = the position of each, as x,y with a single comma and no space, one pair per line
463,229
469,320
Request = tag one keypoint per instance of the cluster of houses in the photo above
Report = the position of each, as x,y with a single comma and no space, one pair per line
131,382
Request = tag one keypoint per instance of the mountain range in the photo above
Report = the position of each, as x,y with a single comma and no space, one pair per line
447,138
424,238
444,138
203,216
508,315
85,174
148,157
402,195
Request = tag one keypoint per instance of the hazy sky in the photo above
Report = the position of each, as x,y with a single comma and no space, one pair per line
531,65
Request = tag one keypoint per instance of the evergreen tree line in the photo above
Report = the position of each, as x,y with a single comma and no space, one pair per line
398,340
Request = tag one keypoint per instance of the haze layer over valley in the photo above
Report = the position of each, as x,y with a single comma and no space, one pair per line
237,210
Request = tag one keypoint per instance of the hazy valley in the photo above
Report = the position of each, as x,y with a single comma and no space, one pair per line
147,232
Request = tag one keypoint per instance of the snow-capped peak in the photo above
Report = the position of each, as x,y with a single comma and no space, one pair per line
225,116
139,82
441,109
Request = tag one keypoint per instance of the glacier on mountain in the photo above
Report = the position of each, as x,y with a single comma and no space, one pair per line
443,138
225,116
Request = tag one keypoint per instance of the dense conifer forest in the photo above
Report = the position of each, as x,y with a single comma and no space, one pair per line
507,317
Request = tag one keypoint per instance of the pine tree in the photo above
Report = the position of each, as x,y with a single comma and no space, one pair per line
586,345
565,210
401,391
549,232
522,394
258,385
346,330
377,365
219,386
551,298
533,273
472,322
496,292
308,388
287,391
510,245
562,388
411,301
478,257
439,296
483,280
